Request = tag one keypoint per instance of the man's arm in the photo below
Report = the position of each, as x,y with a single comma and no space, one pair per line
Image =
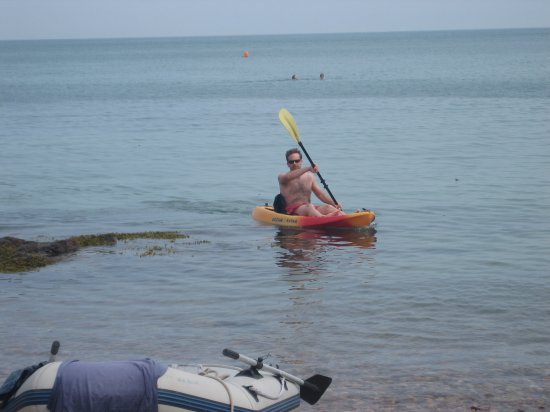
322,195
284,178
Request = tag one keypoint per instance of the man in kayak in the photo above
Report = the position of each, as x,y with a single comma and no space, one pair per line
296,187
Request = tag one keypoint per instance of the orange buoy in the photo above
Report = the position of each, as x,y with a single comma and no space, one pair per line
245,54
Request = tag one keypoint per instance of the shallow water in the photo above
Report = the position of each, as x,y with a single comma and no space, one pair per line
444,135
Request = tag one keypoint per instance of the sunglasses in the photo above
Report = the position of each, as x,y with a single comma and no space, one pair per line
291,162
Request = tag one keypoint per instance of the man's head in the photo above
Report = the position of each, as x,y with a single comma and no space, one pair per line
293,158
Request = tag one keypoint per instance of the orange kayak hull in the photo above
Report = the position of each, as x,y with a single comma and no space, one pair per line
266,214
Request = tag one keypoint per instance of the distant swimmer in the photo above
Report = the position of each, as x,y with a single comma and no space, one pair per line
294,77
322,76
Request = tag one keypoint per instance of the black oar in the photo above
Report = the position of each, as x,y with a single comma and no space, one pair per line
311,389
288,121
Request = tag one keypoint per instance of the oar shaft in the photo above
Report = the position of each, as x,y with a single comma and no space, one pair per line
318,174
260,365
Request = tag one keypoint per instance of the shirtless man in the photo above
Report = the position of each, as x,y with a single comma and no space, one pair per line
296,187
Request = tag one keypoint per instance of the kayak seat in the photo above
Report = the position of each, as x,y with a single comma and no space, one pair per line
279,204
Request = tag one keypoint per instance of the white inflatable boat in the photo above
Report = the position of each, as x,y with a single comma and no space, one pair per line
259,387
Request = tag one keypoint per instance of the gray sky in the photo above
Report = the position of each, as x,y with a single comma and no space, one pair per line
45,19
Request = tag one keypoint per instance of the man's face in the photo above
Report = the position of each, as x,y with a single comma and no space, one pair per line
294,161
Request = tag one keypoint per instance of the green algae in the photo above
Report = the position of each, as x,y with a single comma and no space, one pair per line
13,261
110,239
18,255
107,239
152,251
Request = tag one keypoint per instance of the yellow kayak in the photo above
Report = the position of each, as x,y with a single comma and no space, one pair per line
266,214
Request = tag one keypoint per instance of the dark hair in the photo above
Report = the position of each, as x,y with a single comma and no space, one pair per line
292,151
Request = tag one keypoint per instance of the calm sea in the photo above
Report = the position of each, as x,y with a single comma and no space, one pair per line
446,135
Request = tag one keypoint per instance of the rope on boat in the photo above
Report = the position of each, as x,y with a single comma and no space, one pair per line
213,374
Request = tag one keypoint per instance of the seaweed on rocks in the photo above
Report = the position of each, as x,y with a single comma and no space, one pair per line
18,255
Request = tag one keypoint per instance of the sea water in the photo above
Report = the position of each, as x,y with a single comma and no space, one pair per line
445,135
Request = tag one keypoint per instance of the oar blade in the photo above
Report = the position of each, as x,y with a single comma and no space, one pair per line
289,123
314,387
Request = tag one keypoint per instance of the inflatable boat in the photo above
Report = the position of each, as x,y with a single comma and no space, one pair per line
360,220
147,385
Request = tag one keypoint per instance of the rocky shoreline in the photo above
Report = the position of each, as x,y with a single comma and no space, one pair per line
19,255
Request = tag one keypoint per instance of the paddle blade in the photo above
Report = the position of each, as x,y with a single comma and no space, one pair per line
314,387
289,123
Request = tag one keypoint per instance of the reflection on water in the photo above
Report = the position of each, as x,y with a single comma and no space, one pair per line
310,258
305,252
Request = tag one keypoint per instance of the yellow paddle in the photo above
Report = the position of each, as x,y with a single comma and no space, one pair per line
290,124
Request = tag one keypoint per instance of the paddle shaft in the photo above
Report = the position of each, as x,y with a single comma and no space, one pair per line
318,174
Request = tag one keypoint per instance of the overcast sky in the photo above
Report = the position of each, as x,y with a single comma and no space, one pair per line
46,19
